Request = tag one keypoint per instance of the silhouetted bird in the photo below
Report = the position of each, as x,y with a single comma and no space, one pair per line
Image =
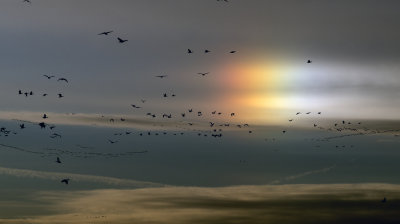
283,132
164,95
232,52
298,113
189,51
206,51
309,61
134,106
161,76
190,110
45,116
63,79
58,160
26,94
60,95
22,126
19,92
31,93
121,40
44,94
203,74
143,101
232,114
66,181
112,142
105,33
319,112
27,1
42,125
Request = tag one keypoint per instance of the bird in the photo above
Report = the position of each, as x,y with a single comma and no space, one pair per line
121,40
309,61
112,142
44,94
203,74
45,116
58,160
63,79
22,126
27,1
189,51
207,51
26,94
232,52
319,112
60,95
19,92
308,113
283,132
66,181
49,76
290,120
298,113
232,114
183,114
143,101
105,33
190,110
164,95
134,106
161,76
42,125
30,93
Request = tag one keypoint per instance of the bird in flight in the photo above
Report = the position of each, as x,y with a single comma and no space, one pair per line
203,74
121,40
189,51
22,126
309,61
112,142
134,106
58,160
161,76
27,1
66,181
49,76
206,51
44,94
143,101
105,33
60,95
19,92
63,79
232,52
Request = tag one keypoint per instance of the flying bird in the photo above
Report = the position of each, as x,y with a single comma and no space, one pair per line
66,181
58,160
161,76
203,74
22,126
44,94
63,79
19,92
309,61
105,33
60,95
134,106
232,52
189,51
49,76
206,51
121,40
112,142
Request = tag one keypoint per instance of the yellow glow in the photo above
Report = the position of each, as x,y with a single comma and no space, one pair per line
254,89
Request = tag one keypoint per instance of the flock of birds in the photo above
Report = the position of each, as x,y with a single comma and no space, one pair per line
213,129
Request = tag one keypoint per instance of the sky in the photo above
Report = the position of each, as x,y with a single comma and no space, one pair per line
249,115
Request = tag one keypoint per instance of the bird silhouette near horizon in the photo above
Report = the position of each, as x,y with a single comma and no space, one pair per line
161,76
105,33
66,181
63,79
49,76
58,160
189,51
203,73
121,40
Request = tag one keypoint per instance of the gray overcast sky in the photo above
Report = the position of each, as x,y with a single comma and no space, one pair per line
353,45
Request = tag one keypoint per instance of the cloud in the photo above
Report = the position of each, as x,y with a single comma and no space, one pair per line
325,203
77,177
